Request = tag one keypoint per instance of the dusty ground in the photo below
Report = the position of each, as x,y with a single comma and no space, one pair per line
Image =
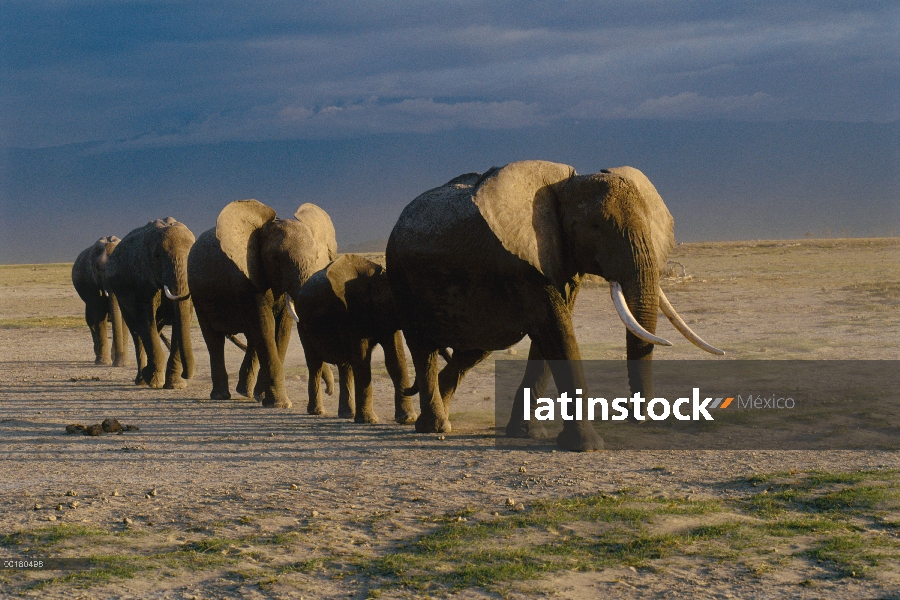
209,485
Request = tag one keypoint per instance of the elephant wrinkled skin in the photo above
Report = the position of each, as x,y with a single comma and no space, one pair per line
484,260
343,311
242,274
89,279
148,268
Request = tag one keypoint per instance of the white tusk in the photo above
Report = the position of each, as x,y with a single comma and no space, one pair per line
681,326
172,296
105,293
290,306
618,298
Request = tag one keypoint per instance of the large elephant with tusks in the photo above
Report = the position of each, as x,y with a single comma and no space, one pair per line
484,260
147,275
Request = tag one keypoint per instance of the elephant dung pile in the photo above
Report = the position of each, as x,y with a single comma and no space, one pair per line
107,426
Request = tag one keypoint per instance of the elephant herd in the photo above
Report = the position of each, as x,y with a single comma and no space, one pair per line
473,266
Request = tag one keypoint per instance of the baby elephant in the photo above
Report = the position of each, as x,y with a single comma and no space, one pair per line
342,312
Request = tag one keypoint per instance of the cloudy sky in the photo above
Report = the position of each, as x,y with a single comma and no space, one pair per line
112,113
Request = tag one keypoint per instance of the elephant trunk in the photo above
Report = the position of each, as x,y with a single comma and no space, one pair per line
181,324
641,293
120,342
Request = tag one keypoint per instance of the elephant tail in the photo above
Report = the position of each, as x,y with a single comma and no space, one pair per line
237,342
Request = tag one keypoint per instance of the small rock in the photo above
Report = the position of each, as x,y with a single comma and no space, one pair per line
38,506
51,518
294,486
94,430
59,507
441,437
152,492
148,496
314,513
632,569
73,504
71,493
495,513
459,519
523,470
127,521
466,475
510,502
111,425
115,492
519,507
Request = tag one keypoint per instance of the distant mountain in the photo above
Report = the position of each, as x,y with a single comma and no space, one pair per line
367,246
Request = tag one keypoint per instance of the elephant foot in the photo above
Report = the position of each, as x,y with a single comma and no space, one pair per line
153,379
525,429
103,361
346,413
119,362
176,384
274,399
315,409
432,424
405,418
366,418
244,390
220,395
277,404
579,440
139,380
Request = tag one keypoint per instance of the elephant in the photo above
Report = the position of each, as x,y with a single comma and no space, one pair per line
89,279
242,274
342,312
147,275
484,260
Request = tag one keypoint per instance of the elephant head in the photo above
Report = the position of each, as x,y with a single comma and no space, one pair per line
613,224
99,254
272,253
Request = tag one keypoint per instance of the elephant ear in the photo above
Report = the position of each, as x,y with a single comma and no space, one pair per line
662,225
236,230
321,228
520,206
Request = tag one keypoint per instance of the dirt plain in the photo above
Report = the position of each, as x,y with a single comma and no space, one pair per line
225,499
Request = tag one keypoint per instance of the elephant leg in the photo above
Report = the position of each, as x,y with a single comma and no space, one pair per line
127,304
271,367
140,357
174,366
433,417
95,314
345,395
453,372
153,373
315,365
361,363
215,344
395,362
537,375
248,381
555,338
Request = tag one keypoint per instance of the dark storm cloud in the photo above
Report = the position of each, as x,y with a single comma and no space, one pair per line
158,73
